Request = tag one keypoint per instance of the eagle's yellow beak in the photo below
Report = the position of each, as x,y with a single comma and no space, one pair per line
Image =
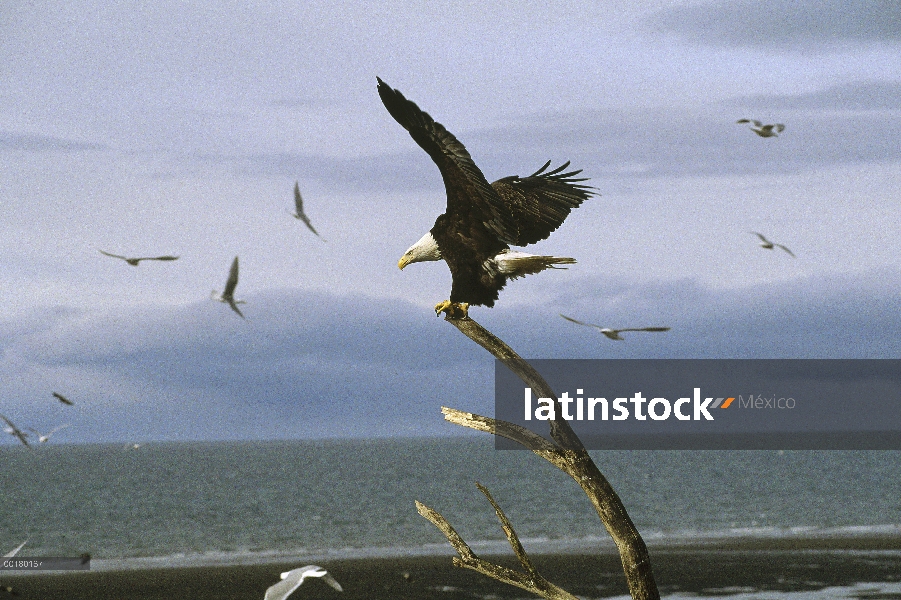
404,261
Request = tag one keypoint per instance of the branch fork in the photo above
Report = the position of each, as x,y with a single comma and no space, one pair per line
567,453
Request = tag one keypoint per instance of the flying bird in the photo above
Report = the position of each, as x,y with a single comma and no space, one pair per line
134,261
291,580
614,334
228,294
483,220
44,438
15,431
768,245
764,130
298,207
63,399
15,550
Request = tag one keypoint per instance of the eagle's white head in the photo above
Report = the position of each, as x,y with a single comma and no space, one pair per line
425,249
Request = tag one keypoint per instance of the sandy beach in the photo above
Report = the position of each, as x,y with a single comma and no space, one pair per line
706,570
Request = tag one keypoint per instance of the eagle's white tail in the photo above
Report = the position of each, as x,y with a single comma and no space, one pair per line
515,264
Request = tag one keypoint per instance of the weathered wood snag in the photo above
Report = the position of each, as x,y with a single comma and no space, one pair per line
565,452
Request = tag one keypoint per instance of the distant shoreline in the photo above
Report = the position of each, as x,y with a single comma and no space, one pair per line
704,569
812,541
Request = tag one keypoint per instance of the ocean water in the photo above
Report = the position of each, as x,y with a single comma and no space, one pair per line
209,503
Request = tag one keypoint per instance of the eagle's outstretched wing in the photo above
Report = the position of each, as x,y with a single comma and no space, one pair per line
469,195
540,202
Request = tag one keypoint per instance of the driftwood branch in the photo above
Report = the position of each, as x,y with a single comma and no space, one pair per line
567,454
531,580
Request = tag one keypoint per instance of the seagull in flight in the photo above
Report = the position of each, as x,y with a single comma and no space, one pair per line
228,294
13,430
63,399
298,205
134,261
764,130
15,550
44,438
768,245
292,579
614,334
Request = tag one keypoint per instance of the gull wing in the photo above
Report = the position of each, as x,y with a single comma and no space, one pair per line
645,329
232,282
15,550
298,200
762,239
16,431
298,204
332,582
294,578
234,306
158,258
792,254
63,399
580,322
111,254
283,588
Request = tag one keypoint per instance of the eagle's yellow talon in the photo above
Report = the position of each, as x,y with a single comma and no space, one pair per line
454,310
442,307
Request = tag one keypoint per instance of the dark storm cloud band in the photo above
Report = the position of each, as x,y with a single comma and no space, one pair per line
713,404
783,22
43,143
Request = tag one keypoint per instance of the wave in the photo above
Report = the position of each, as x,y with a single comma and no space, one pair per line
871,538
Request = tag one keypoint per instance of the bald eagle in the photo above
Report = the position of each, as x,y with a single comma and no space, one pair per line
483,220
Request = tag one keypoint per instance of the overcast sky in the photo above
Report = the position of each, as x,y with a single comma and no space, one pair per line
180,128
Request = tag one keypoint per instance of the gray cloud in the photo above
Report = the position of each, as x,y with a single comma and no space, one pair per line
410,171
201,342
622,146
783,23
824,316
853,123
43,143
349,365
854,96
319,364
